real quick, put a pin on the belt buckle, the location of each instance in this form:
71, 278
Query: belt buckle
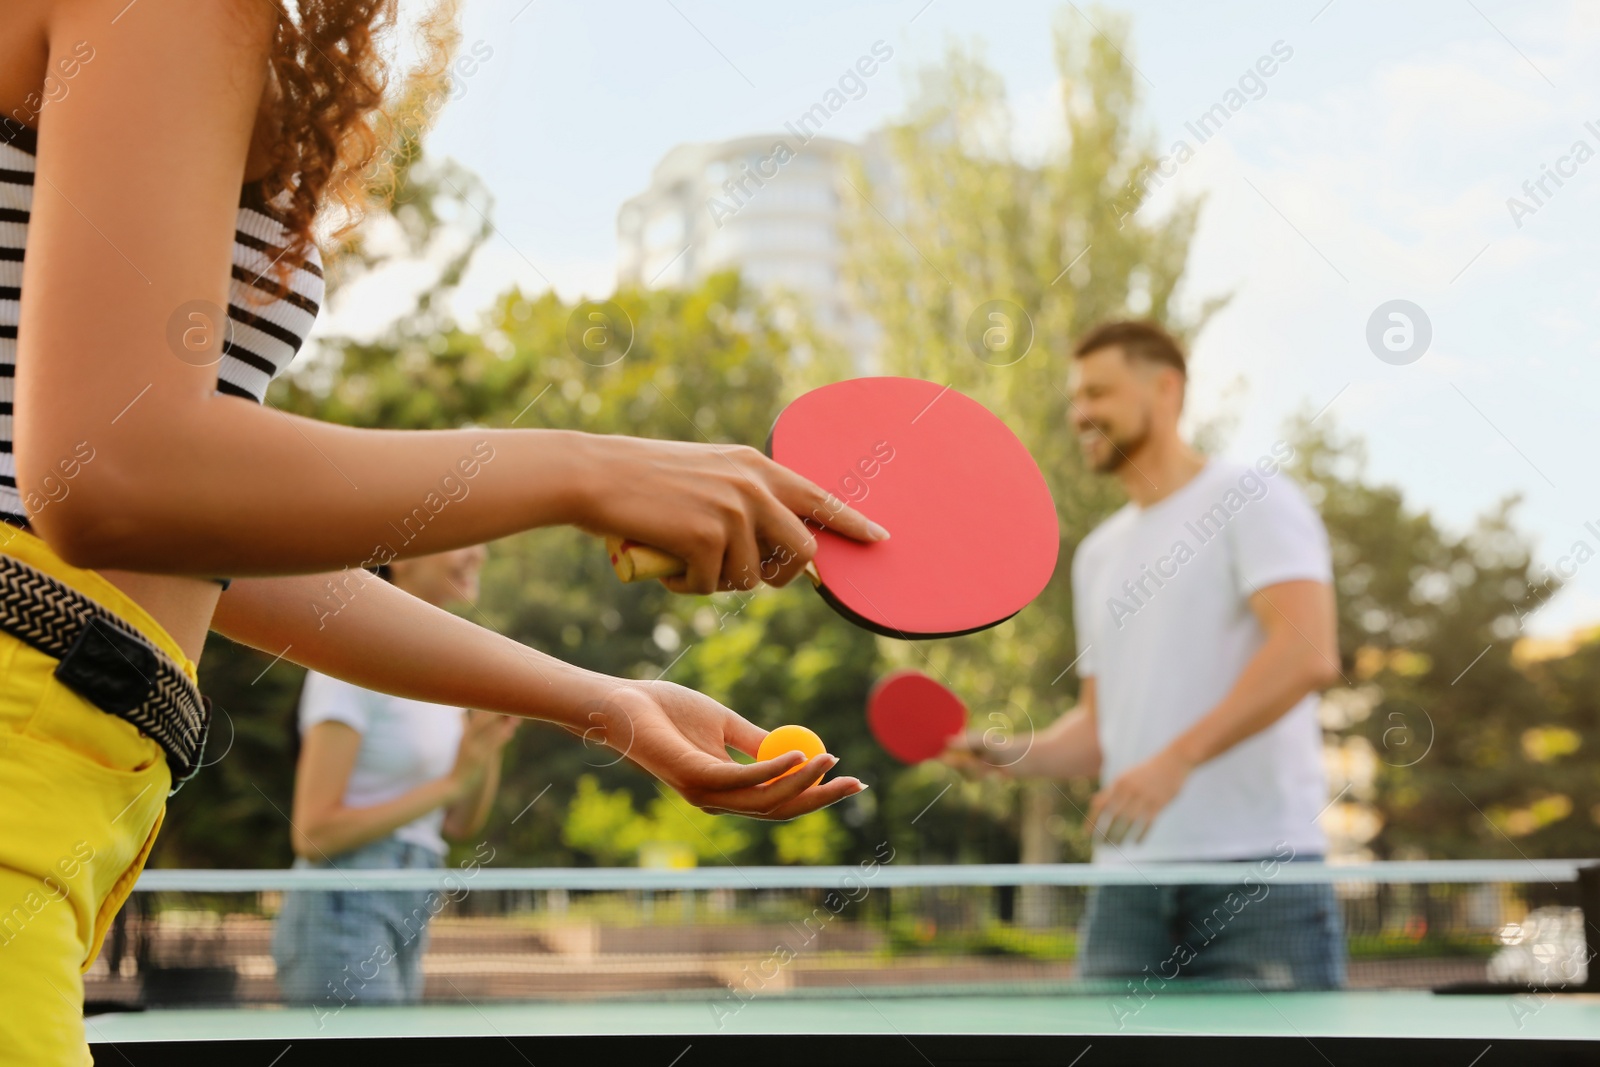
108, 667
115, 671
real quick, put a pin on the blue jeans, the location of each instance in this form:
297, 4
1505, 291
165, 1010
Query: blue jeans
1279, 936
336, 946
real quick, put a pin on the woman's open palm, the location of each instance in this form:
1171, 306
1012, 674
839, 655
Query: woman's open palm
682, 737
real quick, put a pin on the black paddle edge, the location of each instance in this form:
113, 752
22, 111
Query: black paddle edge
867, 1050
888, 631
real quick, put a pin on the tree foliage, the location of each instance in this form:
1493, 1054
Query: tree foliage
1474, 755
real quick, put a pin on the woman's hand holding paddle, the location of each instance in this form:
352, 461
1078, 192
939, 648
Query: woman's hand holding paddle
733, 515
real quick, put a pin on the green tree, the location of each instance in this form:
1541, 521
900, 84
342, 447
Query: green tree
945, 221
604, 825
1474, 758
813, 839
1560, 806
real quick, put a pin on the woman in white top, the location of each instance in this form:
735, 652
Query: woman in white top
381, 782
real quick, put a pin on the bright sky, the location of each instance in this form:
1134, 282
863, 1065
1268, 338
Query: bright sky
1375, 166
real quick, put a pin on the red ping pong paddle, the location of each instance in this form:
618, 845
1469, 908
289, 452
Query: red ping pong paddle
913, 717
973, 525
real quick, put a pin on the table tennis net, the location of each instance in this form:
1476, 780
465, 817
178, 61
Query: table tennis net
732, 934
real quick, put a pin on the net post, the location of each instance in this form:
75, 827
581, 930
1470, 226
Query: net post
1589, 902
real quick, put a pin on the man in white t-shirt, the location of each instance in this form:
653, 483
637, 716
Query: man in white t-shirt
1205, 624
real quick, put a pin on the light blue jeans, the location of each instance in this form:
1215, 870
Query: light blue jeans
1276, 935
335, 946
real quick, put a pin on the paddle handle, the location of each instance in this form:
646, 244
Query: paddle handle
634, 562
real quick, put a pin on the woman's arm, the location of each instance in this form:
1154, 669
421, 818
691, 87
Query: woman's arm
355, 626
468, 814
135, 200
322, 826
379, 637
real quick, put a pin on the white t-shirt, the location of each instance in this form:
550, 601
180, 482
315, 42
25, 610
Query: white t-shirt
1161, 602
404, 744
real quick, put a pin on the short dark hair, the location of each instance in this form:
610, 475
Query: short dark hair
1140, 340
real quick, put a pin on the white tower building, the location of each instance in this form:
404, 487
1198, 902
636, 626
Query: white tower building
766, 205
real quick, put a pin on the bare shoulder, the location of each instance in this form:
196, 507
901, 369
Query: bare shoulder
24, 56
245, 23
45, 43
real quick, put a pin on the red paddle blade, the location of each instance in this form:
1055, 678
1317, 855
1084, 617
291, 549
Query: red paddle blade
973, 533
913, 717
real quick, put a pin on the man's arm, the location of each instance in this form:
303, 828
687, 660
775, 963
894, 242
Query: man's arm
1300, 655
1067, 748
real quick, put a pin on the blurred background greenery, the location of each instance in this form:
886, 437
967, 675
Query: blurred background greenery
1449, 736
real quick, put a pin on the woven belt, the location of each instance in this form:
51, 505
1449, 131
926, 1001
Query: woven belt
107, 662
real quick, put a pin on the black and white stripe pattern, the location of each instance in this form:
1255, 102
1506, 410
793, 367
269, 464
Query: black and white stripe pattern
267, 326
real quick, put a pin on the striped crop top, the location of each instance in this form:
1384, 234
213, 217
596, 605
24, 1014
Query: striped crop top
265, 330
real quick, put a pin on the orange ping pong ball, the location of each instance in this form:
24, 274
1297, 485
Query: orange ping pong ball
791, 739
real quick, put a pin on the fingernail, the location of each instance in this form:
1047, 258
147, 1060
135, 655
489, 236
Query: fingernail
878, 532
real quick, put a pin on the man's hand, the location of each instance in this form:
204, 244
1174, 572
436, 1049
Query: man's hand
1010, 748
970, 753
1130, 804
994, 752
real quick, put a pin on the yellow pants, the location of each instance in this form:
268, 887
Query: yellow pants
82, 795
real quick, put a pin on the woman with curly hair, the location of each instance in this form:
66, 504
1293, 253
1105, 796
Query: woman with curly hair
162, 163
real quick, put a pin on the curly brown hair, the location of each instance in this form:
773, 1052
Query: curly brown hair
329, 118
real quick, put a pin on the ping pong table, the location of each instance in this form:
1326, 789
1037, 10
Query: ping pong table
913, 965
1369, 1029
